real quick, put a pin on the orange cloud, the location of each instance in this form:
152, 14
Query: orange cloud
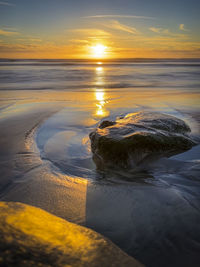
162, 31
92, 32
157, 30
182, 27
8, 33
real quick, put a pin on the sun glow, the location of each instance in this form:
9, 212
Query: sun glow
98, 51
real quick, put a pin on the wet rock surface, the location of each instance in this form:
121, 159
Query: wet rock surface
30, 236
130, 140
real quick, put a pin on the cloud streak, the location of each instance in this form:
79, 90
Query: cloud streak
116, 25
8, 33
117, 16
167, 32
156, 30
182, 27
6, 4
91, 32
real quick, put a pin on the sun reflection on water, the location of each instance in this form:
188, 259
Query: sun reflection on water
100, 97
99, 69
99, 93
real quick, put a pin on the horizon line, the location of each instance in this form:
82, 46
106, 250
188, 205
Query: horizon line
106, 59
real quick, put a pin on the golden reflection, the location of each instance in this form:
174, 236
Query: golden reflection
100, 97
99, 69
99, 93
99, 76
100, 111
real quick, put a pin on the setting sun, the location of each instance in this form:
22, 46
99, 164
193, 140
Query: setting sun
99, 125
98, 51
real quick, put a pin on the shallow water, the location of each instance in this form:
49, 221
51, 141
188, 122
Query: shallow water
152, 212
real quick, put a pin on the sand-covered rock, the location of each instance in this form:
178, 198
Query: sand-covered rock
130, 140
30, 236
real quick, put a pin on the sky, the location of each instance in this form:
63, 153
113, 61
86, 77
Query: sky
77, 28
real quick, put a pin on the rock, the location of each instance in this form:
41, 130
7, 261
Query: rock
30, 236
105, 124
130, 140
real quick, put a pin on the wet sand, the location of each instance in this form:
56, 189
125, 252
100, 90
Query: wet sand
151, 221
25, 177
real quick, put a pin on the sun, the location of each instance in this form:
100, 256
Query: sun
98, 51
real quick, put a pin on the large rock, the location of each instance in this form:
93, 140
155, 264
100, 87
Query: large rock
30, 236
130, 140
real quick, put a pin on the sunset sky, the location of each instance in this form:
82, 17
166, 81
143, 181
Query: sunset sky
99, 29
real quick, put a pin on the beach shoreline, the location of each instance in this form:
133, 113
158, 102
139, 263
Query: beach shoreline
45, 161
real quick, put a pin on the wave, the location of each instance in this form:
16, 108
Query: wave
109, 63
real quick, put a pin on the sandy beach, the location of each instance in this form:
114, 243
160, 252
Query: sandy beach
45, 161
